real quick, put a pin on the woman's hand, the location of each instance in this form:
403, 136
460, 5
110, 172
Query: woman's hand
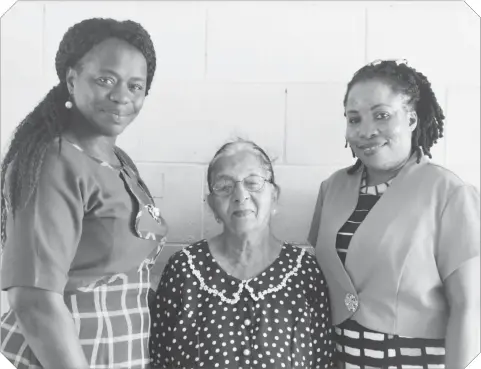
48, 327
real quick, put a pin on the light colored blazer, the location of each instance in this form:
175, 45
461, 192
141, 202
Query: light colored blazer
423, 228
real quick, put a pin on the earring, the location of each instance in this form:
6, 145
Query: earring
217, 220
68, 104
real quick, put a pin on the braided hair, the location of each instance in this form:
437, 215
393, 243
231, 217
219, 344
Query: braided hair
48, 119
416, 87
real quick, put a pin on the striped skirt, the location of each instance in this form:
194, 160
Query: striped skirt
361, 348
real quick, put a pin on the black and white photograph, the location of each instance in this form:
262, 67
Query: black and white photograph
240, 185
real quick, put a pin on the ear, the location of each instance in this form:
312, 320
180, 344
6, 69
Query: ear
70, 79
275, 194
210, 202
413, 120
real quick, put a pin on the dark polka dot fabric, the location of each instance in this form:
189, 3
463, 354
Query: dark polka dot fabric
203, 317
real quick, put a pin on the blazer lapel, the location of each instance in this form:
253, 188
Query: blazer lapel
366, 243
343, 199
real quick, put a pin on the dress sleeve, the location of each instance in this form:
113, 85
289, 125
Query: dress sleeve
322, 331
316, 218
166, 305
459, 230
43, 236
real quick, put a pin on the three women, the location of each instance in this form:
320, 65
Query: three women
397, 236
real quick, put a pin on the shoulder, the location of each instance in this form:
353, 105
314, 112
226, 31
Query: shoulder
304, 259
62, 158
338, 176
184, 259
441, 180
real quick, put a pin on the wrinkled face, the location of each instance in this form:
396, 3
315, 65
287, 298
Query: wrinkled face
108, 87
379, 125
242, 212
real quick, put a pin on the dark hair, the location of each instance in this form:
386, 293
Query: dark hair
263, 157
47, 121
407, 81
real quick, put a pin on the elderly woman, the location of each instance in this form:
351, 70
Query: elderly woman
242, 299
80, 228
397, 236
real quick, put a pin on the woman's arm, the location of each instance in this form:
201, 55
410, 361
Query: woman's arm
463, 331
48, 327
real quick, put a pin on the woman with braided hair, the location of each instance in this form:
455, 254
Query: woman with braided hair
80, 230
397, 236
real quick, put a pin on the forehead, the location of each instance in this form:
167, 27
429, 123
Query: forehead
115, 54
365, 94
238, 164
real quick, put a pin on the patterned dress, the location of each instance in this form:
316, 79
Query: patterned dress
360, 347
119, 234
205, 318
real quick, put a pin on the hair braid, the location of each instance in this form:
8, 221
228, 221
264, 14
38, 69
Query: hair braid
414, 85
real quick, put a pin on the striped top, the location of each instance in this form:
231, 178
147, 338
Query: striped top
360, 347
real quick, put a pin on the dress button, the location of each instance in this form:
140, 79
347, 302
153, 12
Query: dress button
246, 352
247, 322
351, 302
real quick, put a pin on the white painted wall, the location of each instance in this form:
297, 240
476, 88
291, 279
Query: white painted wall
273, 72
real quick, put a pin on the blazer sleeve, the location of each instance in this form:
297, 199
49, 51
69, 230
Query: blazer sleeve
316, 218
459, 230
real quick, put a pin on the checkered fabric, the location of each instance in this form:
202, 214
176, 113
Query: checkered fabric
112, 320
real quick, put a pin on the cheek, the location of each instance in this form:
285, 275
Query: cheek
138, 103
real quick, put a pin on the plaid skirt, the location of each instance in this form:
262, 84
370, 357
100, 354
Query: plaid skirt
112, 320
361, 348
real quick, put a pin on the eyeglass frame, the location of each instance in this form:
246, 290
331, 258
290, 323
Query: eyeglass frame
242, 181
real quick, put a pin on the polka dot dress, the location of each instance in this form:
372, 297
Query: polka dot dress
203, 317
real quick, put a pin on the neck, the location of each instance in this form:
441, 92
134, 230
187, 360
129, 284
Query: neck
94, 144
244, 256
246, 247
376, 177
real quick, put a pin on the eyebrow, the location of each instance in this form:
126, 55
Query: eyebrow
117, 75
372, 108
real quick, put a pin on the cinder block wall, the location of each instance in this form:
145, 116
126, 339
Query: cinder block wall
273, 72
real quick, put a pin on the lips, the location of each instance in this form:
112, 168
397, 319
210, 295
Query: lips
242, 213
116, 113
370, 149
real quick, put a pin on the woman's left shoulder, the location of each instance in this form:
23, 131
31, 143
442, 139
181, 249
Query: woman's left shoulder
442, 176
304, 254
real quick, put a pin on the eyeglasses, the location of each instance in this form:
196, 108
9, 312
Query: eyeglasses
225, 186
397, 61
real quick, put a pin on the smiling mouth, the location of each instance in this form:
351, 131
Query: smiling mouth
368, 150
116, 114
242, 213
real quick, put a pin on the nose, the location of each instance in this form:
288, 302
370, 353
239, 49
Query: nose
240, 193
368, 129
120, 94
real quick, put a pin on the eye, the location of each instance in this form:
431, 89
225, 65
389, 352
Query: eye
383, 115
106, 81
223, 185
353, 120
136, 87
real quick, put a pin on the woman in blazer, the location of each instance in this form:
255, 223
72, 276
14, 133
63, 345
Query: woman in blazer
397, 236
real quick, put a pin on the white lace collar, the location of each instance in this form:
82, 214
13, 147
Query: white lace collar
253, 285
